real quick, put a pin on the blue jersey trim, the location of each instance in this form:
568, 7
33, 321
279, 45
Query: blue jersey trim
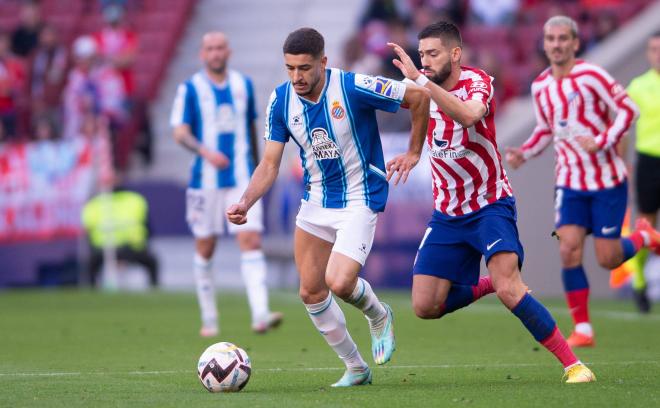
363, 161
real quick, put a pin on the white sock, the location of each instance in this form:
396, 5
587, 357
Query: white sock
584, 328
572, 365
253, 269
364, 298
329, 319
205, 291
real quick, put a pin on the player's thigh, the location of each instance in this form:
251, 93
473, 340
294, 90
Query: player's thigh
428, 292
497, 233
255, 215
201, 212
445, 254
572, 207
608, 210
311, 254
355, 234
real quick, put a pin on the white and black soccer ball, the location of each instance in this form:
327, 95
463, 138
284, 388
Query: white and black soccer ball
224, 367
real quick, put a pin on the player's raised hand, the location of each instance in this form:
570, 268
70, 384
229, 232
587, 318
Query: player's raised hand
217, 159
404, 63
237, 214
401, 164
588, 143
514, 156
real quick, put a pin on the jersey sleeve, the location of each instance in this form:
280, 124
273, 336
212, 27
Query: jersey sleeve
542, 134
377, 92
182, 109
276, 129
617, 100
481, 90
251, 104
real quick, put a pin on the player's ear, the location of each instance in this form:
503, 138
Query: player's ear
456, 53
324, 61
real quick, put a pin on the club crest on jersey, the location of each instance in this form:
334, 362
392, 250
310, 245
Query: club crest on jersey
337, 111
322, 146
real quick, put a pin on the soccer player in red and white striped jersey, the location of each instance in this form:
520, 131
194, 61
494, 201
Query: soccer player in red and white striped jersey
475, 212
587, 113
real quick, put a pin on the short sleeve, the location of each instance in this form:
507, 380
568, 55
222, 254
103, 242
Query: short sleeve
480, 89
377, 92
276, 129
182, 109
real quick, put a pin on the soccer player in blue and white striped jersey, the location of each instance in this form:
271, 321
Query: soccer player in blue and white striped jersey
213, 116
330, 115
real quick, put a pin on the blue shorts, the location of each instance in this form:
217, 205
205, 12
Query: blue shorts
452, 247
600, 212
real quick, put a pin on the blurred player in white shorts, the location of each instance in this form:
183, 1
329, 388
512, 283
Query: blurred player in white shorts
213, 116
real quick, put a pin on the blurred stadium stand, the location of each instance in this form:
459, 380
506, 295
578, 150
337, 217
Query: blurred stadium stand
170, 32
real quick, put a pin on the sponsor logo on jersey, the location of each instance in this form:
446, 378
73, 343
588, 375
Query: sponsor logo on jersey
380, 86
322, 146
337, 111
441, 150
296, 120
478, 86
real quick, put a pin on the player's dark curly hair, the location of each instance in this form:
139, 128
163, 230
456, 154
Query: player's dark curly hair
444, 30
304, 41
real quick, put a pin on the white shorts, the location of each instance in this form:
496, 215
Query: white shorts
206, 212
350, 229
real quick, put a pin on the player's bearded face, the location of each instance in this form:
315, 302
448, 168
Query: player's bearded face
305, 73
436, 59
559, 44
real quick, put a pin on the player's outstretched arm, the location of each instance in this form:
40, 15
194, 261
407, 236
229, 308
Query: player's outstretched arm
417, 99
263, 178
466, 113
185, 138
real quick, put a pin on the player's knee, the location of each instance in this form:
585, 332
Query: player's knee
570, 253
311, 297
340, 285
427, 310
608, 260
508, 292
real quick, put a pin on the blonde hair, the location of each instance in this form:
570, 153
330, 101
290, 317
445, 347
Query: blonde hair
562, 21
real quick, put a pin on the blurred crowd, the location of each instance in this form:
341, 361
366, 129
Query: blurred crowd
502, 37
52, 87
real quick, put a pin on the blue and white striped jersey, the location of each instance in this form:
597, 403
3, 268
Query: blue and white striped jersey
219, 117
340, 146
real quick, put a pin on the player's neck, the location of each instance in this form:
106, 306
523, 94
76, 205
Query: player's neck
315, 95
452, 79
217, 78
561, 71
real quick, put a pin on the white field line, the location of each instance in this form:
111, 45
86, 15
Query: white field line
308, 369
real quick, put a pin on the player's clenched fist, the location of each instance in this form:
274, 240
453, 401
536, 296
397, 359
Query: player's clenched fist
237, 214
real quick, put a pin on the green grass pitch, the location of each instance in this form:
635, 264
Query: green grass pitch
83, 349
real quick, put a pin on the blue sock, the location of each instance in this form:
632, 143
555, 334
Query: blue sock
574, 278
535, 317
629, 249
458, 297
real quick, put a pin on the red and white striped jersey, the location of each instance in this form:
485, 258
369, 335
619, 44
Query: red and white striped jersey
466, 166
587, 102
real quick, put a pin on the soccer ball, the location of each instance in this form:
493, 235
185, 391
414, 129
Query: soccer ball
224, 367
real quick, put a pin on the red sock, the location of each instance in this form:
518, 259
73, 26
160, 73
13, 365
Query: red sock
578, 304
637, 239
483, 288
556, 344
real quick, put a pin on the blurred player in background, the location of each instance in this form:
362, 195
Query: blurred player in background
330, 115
645, 91
213, 116
475, 212
587, 113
